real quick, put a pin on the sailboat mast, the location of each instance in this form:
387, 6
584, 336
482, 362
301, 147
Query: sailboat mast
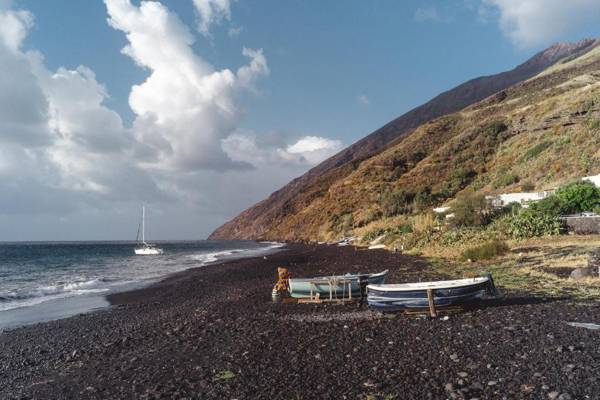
143, 227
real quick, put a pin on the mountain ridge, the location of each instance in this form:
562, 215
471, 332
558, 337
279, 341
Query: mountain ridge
256, 221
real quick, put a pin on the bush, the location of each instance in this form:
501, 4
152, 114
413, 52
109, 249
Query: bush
485, 251
496, 127
405, 228
470, 209
395, 203
530, 223
505, 180
536, 150
527, 186
374, 234
549, 206
578, 196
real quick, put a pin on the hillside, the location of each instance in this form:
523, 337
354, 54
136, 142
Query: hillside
538, 126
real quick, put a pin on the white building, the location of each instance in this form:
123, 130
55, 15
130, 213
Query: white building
523, 198
595, 179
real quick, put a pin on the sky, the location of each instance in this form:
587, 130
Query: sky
200, 108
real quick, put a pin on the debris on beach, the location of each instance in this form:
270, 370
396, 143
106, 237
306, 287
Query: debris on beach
586, 325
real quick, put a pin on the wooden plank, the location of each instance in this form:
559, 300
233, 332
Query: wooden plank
438, 310
432, 312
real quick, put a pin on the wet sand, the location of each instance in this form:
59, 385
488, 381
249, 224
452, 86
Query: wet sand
213, 333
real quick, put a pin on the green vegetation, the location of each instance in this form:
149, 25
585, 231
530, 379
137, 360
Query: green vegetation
578, 197
470, 209
225, 375
594, 124
531, 223
391, 231
505, 180
485, 251
536, 150
527, 186
542, 217
396, 203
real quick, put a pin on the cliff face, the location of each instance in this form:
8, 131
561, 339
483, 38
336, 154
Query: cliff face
283, 215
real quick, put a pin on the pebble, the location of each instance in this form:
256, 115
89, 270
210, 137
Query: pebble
276, 349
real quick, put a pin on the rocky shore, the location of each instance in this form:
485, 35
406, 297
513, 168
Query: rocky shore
213, 333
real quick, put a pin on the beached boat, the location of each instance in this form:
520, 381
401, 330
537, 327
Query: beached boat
336, 285
395, 297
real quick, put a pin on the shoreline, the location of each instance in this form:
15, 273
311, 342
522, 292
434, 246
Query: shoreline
213, 332
66, 307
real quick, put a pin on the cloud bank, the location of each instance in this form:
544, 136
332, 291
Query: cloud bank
64, 152
539, 22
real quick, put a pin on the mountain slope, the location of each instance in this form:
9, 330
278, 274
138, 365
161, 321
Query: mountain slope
277, 217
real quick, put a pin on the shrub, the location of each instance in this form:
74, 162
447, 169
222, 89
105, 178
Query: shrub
395, 203
459, 178
536, 150
347, 223
470, 209
527, 186
505, 180
496, 127
578, 196
530, 223
549, 206
374, 234
405, 228
485, 251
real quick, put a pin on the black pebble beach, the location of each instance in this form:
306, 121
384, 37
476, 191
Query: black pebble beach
214, 333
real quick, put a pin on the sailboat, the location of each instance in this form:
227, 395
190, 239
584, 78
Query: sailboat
145, 249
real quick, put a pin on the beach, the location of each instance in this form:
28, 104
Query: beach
214, 333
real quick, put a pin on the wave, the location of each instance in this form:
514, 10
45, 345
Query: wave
21, 298
207, 258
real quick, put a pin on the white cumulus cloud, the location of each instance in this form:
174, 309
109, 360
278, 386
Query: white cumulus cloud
67, 158
211, 12
540, 22
185, 107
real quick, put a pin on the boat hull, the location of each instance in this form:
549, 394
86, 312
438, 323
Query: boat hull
148, 251
393, 299
301, 288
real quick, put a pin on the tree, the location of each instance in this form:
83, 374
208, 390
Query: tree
578, 196
470, 209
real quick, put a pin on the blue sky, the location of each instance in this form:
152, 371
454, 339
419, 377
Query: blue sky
320, 75
322, 56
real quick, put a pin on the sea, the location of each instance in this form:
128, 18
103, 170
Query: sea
41, 281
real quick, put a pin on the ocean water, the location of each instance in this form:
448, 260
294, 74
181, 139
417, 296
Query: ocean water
47, 280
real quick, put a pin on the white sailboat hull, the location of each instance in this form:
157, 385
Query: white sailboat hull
148, 251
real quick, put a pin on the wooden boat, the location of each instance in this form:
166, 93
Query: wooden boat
396, 297
336, 285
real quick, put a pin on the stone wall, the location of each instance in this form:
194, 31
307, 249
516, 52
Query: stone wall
583, 225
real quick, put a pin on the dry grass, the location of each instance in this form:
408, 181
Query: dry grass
536, 266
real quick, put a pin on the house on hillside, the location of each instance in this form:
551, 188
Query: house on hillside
523, 198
